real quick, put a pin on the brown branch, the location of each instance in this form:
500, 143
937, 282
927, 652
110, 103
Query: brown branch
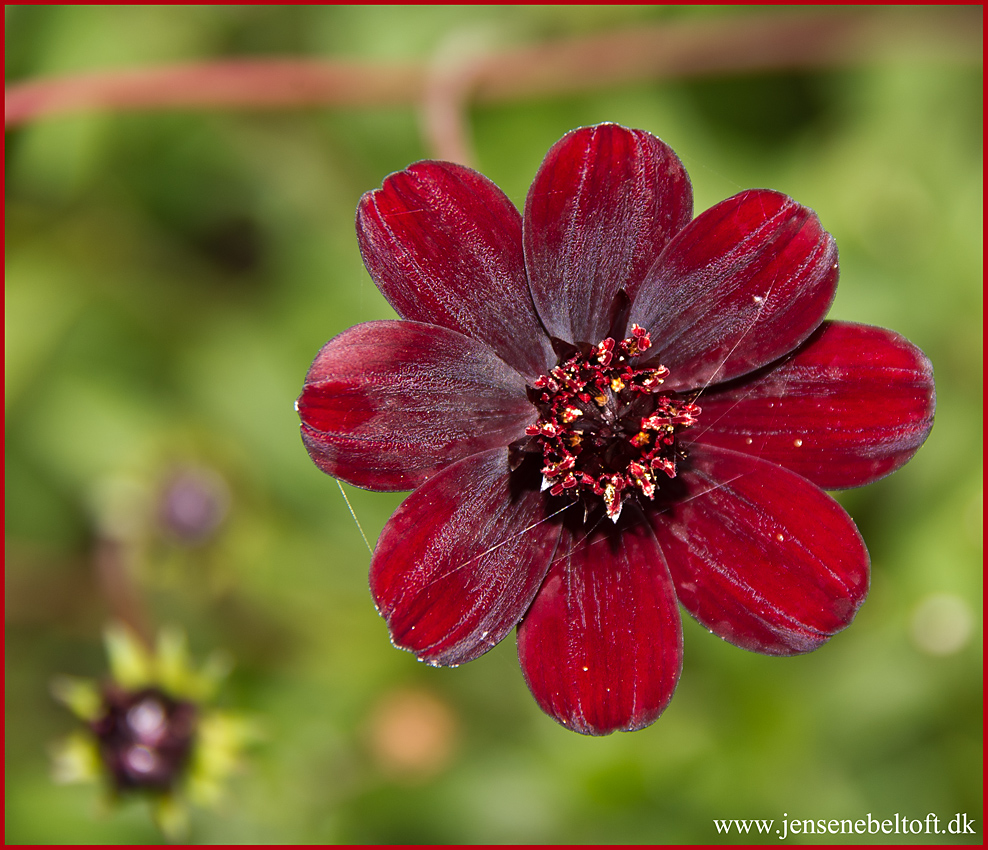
255, 83
732, 45
729, 44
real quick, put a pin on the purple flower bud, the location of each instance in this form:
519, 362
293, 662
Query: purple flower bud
145, 737
193, 504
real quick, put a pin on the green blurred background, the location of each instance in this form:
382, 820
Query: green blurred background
171, 275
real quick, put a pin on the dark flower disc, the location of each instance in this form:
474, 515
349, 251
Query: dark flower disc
145, 737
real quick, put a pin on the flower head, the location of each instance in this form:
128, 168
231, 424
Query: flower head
149, 729
604, 407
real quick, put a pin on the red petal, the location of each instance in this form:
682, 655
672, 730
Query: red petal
760, 556
745, 283
443, 244
853, 404
603, 205
388, 404
602, 646
460, 561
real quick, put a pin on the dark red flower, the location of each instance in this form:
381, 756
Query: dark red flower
604, 407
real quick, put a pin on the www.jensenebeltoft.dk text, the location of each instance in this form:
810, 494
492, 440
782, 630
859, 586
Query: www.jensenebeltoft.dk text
959, 824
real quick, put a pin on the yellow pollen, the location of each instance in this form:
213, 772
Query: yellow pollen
589, 407
571, 413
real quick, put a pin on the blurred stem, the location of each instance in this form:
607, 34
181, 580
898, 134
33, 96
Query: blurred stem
449, 84
726, 44
115, 571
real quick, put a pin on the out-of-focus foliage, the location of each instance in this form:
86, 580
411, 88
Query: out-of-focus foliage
169, 278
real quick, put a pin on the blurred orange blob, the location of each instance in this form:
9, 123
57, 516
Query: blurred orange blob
412, 735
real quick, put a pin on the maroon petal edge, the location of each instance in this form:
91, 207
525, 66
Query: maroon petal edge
460, 560
388, 404
601, 647
761, 557
444, 246
744, 284
853, 404
603, 205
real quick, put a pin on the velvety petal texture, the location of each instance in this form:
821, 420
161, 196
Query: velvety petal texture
601, 646
742, 285
460, 561
444, 246
851, 405
386, 405
603, 205
581, 478
761, 557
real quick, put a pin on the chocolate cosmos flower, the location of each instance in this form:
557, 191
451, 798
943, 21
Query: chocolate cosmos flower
604, 407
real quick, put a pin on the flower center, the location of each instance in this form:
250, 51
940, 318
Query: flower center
145, 738
605, 427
